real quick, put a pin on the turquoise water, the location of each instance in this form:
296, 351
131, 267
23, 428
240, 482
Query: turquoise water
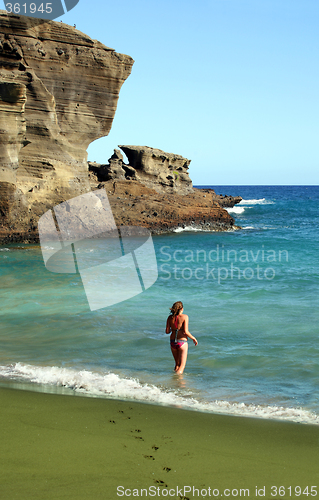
251, 296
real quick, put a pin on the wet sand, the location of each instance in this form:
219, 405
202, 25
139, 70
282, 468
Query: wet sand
70, 447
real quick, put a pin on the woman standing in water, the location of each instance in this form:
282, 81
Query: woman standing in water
177, 323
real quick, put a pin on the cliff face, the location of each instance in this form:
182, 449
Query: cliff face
58, 93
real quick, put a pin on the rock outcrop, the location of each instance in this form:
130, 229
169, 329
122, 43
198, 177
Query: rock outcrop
155, 191
225, 200
165, 172
135, 204
113, 170
58, 93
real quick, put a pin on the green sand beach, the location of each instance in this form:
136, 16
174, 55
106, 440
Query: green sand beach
70, 447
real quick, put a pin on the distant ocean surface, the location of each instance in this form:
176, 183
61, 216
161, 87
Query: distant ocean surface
251, 296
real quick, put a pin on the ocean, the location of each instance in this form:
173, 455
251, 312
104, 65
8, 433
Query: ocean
252, 300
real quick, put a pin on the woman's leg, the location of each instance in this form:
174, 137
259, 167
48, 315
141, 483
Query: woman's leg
183, 350
176, 356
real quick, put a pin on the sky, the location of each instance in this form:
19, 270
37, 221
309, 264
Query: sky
232, 85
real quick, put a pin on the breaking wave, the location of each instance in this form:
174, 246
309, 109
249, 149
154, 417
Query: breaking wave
111, 385
236, 210
260, 201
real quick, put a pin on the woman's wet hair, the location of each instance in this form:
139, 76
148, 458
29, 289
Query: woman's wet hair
176, 307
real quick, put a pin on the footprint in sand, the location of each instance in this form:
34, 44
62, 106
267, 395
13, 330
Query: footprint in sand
159, 481
138, 437
149, 457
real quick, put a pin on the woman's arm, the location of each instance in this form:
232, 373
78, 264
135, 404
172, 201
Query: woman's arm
168, 326
186, 331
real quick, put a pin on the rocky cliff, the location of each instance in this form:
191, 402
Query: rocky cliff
58, 93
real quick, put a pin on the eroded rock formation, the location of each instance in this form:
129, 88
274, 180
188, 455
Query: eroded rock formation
133, 202
164, 172
155, 191
58, 93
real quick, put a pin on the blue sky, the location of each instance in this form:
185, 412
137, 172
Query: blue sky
230, 84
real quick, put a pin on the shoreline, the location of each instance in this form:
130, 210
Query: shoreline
260, 411
202, 226
59, 446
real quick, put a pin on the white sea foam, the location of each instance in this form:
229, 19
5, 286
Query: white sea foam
241, 206
236, 210
191, 228
4, 250
260, 201
111, 385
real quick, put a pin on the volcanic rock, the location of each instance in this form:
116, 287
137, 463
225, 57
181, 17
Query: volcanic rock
135, 204
146, 199
58, 93
225, 200
164, 172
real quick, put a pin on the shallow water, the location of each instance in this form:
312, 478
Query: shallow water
252, 299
